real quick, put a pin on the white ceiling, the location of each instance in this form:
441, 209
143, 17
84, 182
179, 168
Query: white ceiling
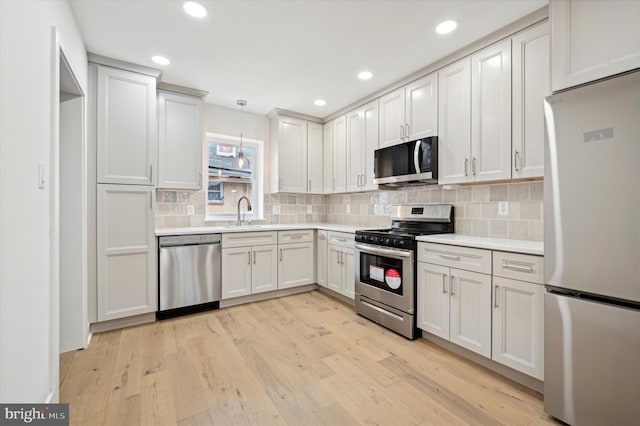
287, 53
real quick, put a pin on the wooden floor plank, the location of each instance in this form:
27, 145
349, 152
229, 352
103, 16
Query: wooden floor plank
301, 359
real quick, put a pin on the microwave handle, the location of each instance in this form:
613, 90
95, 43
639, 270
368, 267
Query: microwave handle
416, 154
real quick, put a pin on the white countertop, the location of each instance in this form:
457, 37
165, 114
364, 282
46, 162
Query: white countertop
254, 228
502, 244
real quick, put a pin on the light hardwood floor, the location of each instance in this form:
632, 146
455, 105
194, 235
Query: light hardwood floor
303, 359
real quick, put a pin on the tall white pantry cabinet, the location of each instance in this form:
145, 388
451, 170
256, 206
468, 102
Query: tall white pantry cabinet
124, 118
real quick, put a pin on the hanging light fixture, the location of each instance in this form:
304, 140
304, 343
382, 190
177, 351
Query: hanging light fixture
243, 162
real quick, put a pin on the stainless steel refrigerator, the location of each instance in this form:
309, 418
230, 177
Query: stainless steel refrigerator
592, 253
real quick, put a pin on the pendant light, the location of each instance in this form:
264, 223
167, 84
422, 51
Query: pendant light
243, 162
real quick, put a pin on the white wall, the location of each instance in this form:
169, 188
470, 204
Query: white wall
27, 371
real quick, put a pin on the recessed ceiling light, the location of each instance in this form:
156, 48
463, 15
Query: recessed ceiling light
160, 60
194, 9
320, 102
365, 75
446, 27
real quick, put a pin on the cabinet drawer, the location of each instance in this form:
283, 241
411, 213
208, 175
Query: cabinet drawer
471, 259
343, 239
522, 267
244, 239
295, 236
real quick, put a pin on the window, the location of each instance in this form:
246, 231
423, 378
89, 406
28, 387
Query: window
232, 175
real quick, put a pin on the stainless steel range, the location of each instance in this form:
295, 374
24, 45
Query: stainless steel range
385, 265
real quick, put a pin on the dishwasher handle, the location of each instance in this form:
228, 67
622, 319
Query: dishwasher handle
189, 240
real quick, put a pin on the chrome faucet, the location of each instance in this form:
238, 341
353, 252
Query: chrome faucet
238, 221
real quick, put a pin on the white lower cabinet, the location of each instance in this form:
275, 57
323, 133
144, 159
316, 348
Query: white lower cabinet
295, 258
518, 325
249, 263
499, 316
340, 264
126, 251
322, 251
248, 270
456, 305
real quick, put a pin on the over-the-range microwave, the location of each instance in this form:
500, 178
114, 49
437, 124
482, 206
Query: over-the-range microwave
408, 163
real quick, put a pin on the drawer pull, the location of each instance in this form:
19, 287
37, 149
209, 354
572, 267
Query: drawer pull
342, 240
518, 268
448, 256
295, 237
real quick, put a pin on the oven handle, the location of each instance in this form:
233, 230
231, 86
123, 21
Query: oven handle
383, 252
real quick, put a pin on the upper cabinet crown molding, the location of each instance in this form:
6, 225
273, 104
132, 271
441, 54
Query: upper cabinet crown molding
174, 88
123, 65
593, 40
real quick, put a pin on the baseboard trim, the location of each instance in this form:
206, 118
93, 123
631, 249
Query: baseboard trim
267, 295
509, 373
99, 327
335, 295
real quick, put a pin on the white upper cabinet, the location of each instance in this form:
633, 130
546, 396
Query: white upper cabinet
454, 122
126, 123
593, 40
421, 106
392, 118
410, 112
180, 141
531, 83
362, 141
340, 154
474, 143
491, 113
314, 158
292, 155
327, 158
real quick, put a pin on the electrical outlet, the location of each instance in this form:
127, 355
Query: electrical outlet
276, 209
309, 210
503, 208
191, 210
348, 208
375, 209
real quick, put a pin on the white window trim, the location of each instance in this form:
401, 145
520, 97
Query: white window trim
258, 168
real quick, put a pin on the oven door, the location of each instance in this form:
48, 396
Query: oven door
386, 275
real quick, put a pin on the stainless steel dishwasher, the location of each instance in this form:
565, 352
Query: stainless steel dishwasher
190, 277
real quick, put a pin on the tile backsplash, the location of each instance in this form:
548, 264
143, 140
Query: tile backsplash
476, 208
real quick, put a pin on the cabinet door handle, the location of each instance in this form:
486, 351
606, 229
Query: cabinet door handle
516, 160
473, 166
449, 256
280, 255
444, 285
151, 172
401, 132
495, 296
254, 257
322, 237
309, 187
408, 132
249, 257
451, 287
519, 268
466, 167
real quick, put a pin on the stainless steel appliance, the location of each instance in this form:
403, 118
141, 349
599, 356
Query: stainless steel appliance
385, 265
414, 162
592, 253
190, 277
